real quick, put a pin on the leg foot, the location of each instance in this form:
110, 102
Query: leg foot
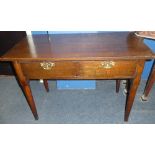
143, 98
36, 117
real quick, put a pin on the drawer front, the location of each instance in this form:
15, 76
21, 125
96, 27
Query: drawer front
107, 69
79, 69
49, 70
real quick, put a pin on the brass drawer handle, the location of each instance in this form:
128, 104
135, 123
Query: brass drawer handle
107, 64
47, 65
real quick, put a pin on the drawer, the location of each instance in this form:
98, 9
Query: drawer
106, 69
79, 69
49, 70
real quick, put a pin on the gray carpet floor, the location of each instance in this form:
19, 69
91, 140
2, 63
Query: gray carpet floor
100, 106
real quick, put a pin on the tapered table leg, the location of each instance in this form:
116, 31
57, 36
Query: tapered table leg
26, 89
118, 82
46, 85
127, 86
149, 83
133, 89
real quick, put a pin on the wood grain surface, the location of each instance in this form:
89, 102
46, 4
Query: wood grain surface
98, 46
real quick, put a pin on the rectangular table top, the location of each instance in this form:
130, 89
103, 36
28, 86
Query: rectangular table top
91, 46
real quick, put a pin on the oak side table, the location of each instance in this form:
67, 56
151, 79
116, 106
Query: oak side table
112, 55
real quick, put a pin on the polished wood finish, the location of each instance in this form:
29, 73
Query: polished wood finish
113, 55
61, 69
80, 70
96, 69
24, 82
133, 88
99, 46
149, 84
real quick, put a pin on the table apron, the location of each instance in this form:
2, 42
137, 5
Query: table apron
79, 69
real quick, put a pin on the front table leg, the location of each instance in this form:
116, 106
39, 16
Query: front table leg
26, 89
132, 91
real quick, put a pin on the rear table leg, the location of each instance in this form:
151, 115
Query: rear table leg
149, 84
46, 85
118, 82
